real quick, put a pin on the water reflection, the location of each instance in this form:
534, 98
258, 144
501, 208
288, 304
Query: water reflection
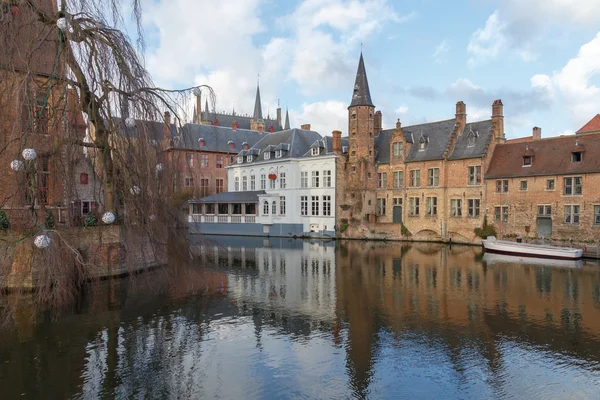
291, 318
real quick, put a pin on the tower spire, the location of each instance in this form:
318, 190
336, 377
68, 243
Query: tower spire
287, 119
361, 96
257, 105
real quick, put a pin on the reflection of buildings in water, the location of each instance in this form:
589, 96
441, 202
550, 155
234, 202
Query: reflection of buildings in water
299, 277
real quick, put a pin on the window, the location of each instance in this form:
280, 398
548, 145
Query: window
267, 155
415, 178
204, 160
282, 205
523, 185
327, 178
274, 207
249, 158
596, 215
314, 205
431, 206
398, 179
189, 160
252, 182
244, 183
371, 134
433, 177
232, 159
219, 161
315, 179
282, 183
353, 114
475, 175
380, 207
544, 210
456, 208
397, 201
304, 179
278, 153
502, 186
250, 209
327, 206
304, 205
266, 207
204, 187
550, 184
219, 185
240, 159
35, 119
189, 182
237, 184
86, 207
501, 212
413, 206
236, 209
572, 214
382, 179
315, 151
573, 186
271, 183
263, 181
83, 178
473, 205
209, 208
576, 156
527, 161
353, 154
397, 148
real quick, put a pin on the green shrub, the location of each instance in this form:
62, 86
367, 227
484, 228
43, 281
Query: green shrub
50, 223
343, 227
404, 230
4, 222
90, 219
486, 230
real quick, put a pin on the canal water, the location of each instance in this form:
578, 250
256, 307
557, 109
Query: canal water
282, 318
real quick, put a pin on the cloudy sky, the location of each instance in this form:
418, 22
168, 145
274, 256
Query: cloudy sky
541, 57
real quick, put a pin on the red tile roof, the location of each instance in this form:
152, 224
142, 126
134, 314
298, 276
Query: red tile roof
552, 156
592, 126
520, 139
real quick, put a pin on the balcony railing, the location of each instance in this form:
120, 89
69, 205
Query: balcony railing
224, 219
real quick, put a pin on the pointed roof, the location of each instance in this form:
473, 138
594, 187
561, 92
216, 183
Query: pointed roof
592, 126
361, 96
257, 105
206, 112
287, 120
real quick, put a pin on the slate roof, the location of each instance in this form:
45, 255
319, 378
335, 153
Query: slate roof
480, 132
552, 156
152, 129
326, 146
437, 136
592, 126
361, 95
231, 197
382, 145
216, 138
298, 139
227, 120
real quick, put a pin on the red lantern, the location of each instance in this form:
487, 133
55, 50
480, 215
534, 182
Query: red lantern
272, 177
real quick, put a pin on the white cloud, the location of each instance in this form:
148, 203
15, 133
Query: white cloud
439, 55
401, 110
324, 116
487, 42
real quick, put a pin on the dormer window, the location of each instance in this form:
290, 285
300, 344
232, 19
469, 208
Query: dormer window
201, 141
344, 149
230, 144
576, 156
278, 153
315, 151
249, 158
527, 160
245, 146
423, 142
472, 137
240, 159
267, 155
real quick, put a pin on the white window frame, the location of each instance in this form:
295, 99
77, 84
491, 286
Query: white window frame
314, 206
571, 215
304, 179
456, 208
431, 206
413, 206
433, 177
278, 153
315, 179
282, 205
282, 181
304, 206
326, 205
315, 151
240, 159
327, 178
249, 158
398, 179
263, 181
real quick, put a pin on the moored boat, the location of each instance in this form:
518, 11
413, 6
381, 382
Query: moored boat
500, 259
494, 245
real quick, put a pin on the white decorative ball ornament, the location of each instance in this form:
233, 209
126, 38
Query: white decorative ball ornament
135, 190
160, 167
61, 23
197, 92
29, 154
42, 241
154, 142
17, 165
130, 122
108, 218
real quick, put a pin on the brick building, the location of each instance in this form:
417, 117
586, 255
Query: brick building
427, 177
547, 187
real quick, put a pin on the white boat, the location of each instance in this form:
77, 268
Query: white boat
493, 245
500, 259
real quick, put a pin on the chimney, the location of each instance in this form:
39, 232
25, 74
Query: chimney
336, 143
461, 116
377, 122
498, 120
167, 126
305, 127
198, 110
537, 133
279, 117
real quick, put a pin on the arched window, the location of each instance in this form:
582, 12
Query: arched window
274, 208
266, 208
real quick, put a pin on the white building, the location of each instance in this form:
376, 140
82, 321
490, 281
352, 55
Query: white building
289, 176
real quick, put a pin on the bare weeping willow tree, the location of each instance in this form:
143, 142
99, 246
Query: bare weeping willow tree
75, 90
